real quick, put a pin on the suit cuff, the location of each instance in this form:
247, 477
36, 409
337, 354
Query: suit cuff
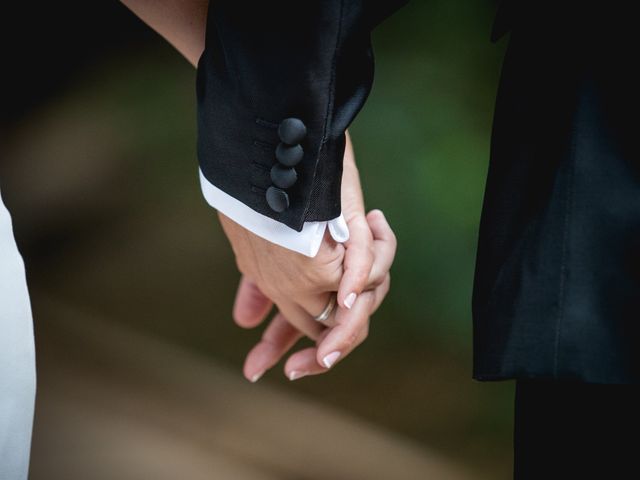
307, 241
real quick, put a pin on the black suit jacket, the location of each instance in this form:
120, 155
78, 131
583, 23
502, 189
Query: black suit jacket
557, 284
266, 61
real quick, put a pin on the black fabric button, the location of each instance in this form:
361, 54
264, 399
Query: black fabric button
289, 155
283, 177
277, 199
292, 131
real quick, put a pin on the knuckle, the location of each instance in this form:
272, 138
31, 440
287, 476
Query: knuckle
335, 263
312, 277
382, 292
370, 256
329, 253
393, 239
326, 277
350, 341
361, 276
313, 273
375, 282
371, 300
365, 333
371, 248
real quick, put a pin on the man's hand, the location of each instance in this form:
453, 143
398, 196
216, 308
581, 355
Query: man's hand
300, 286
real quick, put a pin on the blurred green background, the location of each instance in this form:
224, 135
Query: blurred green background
101, 177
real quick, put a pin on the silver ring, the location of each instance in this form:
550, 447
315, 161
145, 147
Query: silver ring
331, 305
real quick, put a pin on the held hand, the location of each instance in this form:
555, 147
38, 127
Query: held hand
301, 286
350, 328
297, 284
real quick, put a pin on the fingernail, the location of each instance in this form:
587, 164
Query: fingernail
331, 359
350, 300
294, 375
256, 377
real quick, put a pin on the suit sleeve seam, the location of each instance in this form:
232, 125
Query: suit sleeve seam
330, 102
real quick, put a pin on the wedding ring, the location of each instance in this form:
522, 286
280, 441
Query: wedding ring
331, 305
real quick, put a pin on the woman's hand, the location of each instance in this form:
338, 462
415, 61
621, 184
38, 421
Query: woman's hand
300, 286
350, 328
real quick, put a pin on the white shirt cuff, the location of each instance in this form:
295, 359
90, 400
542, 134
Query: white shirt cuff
306, 242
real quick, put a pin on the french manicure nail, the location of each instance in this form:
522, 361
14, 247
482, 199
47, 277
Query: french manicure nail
331, 359
350, 300
256, 377
294, 375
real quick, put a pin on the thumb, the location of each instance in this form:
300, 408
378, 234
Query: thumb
251, 306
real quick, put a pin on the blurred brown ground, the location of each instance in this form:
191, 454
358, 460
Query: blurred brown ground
114, 404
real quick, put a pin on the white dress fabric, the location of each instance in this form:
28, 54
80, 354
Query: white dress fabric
17, 358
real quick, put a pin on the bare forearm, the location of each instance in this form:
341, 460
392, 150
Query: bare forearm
181, 22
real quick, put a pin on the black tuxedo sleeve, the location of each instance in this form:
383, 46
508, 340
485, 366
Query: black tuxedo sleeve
277, 85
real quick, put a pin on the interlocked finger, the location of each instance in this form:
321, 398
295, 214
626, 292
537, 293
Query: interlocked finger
300, 319
322, 308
